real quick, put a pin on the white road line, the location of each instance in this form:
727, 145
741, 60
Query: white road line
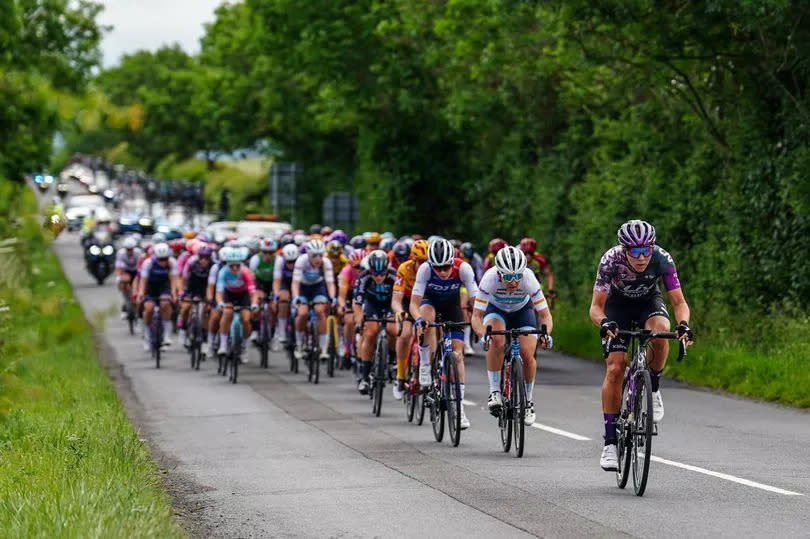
560, 432
725, 476
465, 402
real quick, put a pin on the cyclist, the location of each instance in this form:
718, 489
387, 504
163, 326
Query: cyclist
262, 264
401, 304
538, 263
282, 284
469, 255
626, 291
195, 281
235, 287
495, 245
373, 242
509, 297
358, 242
399, 254
386, 244
436, 291
334, 250
126, 267
374, 290
346, 282
313, 281
159, 282
215, 315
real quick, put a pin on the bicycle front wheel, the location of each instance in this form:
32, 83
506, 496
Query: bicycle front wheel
410, 393
434, 396
331, 346
518, 398
642, 432
157, 338
505, 415
624, 440
452, 399
236, 349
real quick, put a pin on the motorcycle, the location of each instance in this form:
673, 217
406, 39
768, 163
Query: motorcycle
99, 257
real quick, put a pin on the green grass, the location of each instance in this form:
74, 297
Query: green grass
771, 365
71, 465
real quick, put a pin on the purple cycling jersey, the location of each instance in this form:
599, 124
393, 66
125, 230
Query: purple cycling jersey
616, 277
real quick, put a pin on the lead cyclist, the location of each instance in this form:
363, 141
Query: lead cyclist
626, 291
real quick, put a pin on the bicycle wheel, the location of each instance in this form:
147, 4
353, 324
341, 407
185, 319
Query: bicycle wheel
504, 417
264, 339
410, 393
518, 398
378, 373
236, 350
420, 406
452, 399
434, 401
624, 442
642, 432
157, 338
131, 317
331, 345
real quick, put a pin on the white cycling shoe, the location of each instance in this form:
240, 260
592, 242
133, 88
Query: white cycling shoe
468, 350
658, 406
495, 403
465, 423
424, 374
530, 416
398, 393
299, 352
609, 461
223, 347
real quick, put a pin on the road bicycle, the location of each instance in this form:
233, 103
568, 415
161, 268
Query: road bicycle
634, 426
195, 334
311, 346
380, 368
332, 341
131, 311
512, 413
413, 398
290, 332
443, 395
156, 330
234, 346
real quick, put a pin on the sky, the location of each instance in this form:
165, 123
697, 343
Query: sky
148, 24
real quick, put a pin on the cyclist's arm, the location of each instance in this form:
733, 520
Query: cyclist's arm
329, 277
679, 305
544, 317
477, 321
295, 286
549, 277
250, 281
396, 301
597, 311
419, 285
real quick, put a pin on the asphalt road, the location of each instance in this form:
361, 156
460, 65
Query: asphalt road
276, 456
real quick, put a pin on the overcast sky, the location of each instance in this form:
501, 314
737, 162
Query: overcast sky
148, 24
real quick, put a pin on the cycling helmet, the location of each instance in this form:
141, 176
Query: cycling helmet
358, 242
189, 234
433, 238
440, 253
334, 248
636, 233
510, 260
202, 236
387, 235
129, 243
455, 243
176, 246
401, 251
204, 251
286, 239
528, 245
356, 257
299, 239
339, 235
162, 250
325, 231
234, 255
268, 246
467, 249
496, 244
419, 250
374, 237
315, 247
315, 229
378, 262
407, 240
387, 244
158, 237
290, 252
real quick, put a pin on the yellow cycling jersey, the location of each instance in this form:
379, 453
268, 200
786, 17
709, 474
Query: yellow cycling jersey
338, 263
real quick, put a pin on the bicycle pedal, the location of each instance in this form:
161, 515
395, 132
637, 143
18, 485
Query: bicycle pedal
655, 429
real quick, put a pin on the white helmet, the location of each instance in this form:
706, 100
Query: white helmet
158, 237
129, 243
290, 252
510, 260
441, 253
162, 250
299, 239
636, 233
315, 247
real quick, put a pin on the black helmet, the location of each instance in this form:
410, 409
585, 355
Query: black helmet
315, 229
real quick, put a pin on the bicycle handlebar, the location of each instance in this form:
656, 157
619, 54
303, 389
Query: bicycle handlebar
511, 332
647, 334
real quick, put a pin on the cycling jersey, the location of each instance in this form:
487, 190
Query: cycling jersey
338, 263
308, 274
616, 277
406, 277
492, 291
283, 272
212, 275
182, 260
127, 262
262, 269
378, 293
196, 275
476, 264
430, 286
158, 278
537, 263
241, 281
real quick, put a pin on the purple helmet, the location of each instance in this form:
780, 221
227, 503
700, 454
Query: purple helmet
636, 233
205, 250
339, 235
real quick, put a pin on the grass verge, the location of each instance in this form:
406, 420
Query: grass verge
770, 366
71, 465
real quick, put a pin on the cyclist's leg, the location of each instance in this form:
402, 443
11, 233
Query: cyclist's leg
495, 318
254, 317
148, 309
166, 316
623, 314
404, 349
428, 313
302, 313
525, 318
656, 318
283, 314
366, 352
320, 313
348, 331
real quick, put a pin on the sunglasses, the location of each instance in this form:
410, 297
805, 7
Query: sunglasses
509, 277
636, 252
315, 257
234, 266
443, 268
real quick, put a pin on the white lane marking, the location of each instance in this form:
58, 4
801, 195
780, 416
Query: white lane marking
465, 402
560, 432
727, 477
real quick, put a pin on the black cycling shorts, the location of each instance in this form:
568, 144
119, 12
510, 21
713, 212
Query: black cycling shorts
265, 286
625, 311
241, 299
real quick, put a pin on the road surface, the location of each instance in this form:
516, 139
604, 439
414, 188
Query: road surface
275, 456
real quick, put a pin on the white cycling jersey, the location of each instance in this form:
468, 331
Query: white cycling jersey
492, 290
306, 273
127, 262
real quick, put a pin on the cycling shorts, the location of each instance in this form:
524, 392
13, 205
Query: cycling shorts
315, 293
523, 318
626, 311
265, 286
375, 310
155, 291
242, 299
448, 311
